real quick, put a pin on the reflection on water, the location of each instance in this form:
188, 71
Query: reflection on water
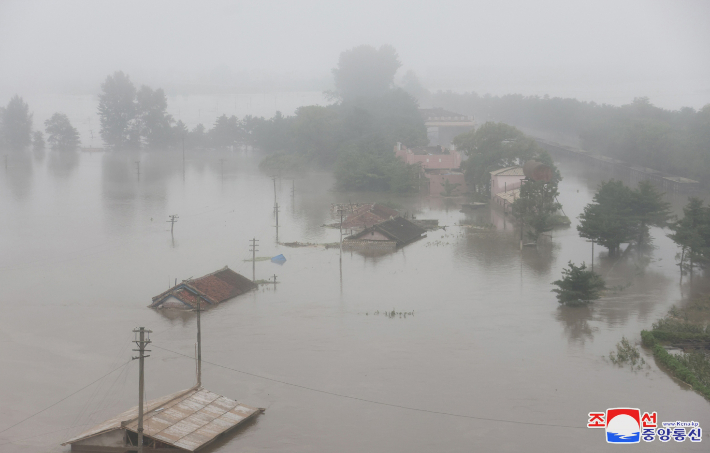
63, 163
86, 244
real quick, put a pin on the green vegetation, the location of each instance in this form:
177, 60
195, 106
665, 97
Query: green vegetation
449, 188
61, 135
578, 286
673, 141
692, 234
536, 207
626, 353
15, 125
687, 328
620, 215
494, 146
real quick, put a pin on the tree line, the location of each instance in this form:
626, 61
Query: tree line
674, 141
16, 131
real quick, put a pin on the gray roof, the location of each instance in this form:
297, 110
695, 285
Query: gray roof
398, 229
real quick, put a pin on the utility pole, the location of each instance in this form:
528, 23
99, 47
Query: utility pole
274, 179
138, 169
221, 163
293, 195
592, 241
199, 344
173, 219
341, 211
183, 156
253, 259
141, 341
276, 210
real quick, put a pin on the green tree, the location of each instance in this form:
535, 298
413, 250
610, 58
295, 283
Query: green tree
118, 112
536, 205
37, 141
494, 146
16, 122
649, 209
154, 123
364, 71
449, 188
578, 286
609, 219
61, 135
692, 234
226, 132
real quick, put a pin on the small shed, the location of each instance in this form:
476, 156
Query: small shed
395, 232
185, 421
506, 179
211, 289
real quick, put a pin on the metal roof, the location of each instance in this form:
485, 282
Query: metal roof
508, 171
189, 419
398, 229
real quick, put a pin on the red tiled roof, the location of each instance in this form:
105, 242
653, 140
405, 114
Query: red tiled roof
214, 288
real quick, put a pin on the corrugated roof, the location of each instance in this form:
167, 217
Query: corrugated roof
509, 171
215, 288
189, 419
367, 215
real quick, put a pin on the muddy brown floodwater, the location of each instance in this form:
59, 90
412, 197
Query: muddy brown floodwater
85, 245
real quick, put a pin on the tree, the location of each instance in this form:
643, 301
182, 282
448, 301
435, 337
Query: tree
494, 146
536, 205
449, 188
117, 112
609, 219
154, 123
37, 141
226, 132
578, 286
61, 135
692, 234
16, 124
412, 85
649, 209
364, 71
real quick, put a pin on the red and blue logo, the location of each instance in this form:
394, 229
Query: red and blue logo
623, 425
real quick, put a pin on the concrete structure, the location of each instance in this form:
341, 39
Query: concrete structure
443, 125
188, 420
211, 289
430, 157
505, 180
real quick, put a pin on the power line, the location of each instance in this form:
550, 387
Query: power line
65, 398
365, 400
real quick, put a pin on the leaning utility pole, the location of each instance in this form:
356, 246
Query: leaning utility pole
141, 342
173, 219
276, 210
341, 211
199, 344
253, 259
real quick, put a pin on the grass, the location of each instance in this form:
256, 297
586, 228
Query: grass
627, 354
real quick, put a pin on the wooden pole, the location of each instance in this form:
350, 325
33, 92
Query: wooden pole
141, 343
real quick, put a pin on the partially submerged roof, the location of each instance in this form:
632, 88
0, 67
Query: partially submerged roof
188, 420
210, 289
509, 196
508, 171
367, 215
400, 230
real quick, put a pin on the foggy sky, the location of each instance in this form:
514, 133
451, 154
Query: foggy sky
607, 51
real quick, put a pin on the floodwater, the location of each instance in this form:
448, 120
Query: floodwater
487, 357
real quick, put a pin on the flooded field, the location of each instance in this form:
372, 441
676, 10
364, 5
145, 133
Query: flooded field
484, 361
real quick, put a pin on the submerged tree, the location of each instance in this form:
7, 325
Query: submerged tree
61, 135
578, 286
154, 123
16, 124
649, 209
117, 112
536, 206
609, 219
692, 234
37, 141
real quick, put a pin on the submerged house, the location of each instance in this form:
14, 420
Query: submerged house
389, 234
366, 215
185, 421
211, 289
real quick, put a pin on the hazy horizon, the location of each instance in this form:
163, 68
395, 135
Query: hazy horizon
607, 52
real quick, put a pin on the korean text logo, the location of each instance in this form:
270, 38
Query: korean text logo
625, 425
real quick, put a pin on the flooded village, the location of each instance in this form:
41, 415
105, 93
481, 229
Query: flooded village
373, 267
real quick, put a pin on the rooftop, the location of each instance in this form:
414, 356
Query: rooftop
188, 420
213, 288
400, 230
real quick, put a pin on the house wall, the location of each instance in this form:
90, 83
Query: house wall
502, 183
374, 236
173, 302
436, 184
